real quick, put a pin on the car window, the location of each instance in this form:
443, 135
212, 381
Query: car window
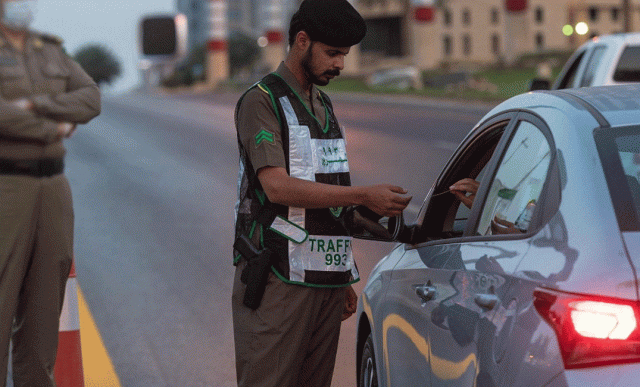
444, 216
592, 65
620, 155
567, 77
628, 69
517, 185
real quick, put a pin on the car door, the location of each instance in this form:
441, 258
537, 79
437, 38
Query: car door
473, 283
429, 328
511, 209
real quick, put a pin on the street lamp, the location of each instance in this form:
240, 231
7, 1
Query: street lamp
567, 30
582, 28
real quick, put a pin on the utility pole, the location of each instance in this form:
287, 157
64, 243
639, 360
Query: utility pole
217, 46
627, 14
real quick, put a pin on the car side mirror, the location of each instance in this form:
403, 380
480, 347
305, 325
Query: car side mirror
366, 224
539, 84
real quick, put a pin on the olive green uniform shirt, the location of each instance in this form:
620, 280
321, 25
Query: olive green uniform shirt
256, 114
59, 89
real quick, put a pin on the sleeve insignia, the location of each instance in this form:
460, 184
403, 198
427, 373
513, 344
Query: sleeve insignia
263, 136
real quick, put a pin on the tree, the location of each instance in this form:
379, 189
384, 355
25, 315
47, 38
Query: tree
243, 51
99, 62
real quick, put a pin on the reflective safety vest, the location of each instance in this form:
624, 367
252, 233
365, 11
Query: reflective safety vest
311, 246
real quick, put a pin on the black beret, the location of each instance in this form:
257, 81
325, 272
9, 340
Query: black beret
333, 22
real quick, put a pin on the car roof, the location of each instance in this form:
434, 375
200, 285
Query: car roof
618, 105
615, 105
620, 40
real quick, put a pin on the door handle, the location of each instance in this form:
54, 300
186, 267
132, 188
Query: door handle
425, 292
486, 301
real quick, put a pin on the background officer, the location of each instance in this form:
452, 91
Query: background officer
43, 95
293, 189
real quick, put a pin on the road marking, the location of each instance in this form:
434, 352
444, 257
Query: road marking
98, 368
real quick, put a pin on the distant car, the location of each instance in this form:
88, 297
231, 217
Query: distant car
603, 60
537, 283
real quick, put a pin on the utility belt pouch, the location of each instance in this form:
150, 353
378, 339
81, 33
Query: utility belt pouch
255, 274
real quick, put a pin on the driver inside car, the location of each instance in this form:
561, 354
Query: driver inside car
466, 189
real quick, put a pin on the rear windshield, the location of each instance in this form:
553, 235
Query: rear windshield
628, 69
620, 155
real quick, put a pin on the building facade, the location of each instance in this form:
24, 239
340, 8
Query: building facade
429, 33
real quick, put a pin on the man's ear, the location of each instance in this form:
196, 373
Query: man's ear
302, 40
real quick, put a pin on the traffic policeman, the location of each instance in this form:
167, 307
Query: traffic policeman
293, 251
44, 94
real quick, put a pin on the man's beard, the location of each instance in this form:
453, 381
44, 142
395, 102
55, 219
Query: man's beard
308, 69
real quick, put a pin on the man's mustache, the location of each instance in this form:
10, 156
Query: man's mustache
334, 73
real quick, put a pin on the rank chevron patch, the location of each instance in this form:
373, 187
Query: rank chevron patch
264, 135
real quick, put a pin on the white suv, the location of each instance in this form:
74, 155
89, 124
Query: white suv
603, 60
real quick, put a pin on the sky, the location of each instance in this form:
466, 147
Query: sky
112, 23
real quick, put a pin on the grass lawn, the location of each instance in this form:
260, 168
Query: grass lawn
506, 83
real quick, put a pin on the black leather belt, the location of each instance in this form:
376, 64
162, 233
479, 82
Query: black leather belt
34, 168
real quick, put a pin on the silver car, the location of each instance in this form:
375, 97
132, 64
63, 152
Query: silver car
537, 283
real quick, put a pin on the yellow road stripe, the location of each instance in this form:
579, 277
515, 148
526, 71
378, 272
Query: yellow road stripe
98, 368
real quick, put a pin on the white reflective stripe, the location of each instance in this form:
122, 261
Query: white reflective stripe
289, 113
300, 153
330, 156
240, 177
321, 253
70, 318
290, 230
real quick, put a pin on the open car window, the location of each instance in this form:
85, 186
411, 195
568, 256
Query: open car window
444, 216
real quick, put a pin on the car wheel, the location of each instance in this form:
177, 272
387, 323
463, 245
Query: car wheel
368, 372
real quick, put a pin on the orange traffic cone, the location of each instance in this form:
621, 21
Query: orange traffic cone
68, 369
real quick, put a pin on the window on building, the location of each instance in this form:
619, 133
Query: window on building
194, 5
615, 14
539, 41
539, 15
466, 17
447, 45
593, 14
447, 17
495, 44
384, 37
495, 16
466, 45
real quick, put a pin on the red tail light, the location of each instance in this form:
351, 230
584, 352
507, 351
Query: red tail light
591, 330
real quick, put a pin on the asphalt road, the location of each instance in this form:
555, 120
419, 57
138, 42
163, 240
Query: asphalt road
154, 184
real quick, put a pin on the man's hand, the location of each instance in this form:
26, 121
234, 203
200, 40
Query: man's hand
463, 187
65, 129
23, 104
386, 200
350, 303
